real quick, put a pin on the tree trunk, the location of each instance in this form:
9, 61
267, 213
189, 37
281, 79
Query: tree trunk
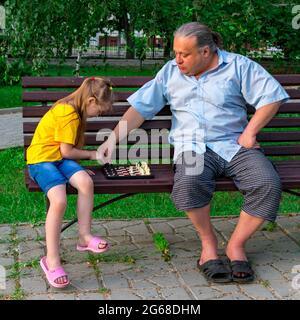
167, 48
128, 30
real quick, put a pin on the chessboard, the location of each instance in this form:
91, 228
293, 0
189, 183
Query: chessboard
127, 171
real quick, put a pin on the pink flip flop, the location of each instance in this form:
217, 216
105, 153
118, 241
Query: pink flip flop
93, 245
53, 275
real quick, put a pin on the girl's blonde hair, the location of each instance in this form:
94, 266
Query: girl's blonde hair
96, 87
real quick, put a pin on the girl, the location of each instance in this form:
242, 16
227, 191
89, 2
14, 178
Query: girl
50, 157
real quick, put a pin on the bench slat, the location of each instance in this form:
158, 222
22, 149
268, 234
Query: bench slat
75, 82
91, 139
51, 96
133, 81
293, 93
288, 79
95, 126
163, 181
119, 110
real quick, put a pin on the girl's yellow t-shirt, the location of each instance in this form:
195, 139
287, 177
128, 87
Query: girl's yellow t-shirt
59, 124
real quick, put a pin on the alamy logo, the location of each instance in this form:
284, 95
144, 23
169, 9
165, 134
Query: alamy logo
296, 278
2, 18
296, 19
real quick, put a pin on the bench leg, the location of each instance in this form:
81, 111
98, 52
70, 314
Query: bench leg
99, 206
292, 192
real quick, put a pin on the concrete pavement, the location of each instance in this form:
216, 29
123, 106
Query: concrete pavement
135, 269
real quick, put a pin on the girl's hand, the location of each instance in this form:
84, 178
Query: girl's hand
248, 141
93, 154
90, 172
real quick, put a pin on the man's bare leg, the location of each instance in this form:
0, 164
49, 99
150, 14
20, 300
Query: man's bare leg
246, 227
200, 218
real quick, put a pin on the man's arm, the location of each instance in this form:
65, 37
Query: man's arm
260, 118
131, 119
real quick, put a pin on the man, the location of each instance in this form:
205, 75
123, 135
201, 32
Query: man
208, 89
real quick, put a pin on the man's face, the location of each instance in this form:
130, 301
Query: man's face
190, 59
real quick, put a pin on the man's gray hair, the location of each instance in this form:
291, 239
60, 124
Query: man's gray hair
204, 36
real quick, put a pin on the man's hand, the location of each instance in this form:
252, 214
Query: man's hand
105, 151
248, 141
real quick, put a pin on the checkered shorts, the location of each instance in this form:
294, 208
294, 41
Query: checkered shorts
254, 175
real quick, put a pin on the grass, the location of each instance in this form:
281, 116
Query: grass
19, 205
162, 245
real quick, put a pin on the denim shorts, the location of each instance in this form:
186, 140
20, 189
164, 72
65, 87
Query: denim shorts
50, 174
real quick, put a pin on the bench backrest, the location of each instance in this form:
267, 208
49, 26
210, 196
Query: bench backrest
280, 137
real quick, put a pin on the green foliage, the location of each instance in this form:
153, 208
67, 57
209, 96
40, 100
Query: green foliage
251, 24
40, 30
162, 244
270, 227
141, 47
11, 72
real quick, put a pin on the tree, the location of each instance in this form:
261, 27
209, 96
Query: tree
163, 18
122, 16
249, 24
38, 30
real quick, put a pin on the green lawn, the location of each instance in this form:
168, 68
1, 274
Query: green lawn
19, 205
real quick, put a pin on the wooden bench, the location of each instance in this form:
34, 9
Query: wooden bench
282, 141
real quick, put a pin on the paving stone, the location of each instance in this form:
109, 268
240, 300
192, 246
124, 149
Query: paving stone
8, 288
6, 262
115, 268
147, 294
26, 232
33, 285
267, 272
141, 238
204, 293
228, 288
162, 227
225, 227
123, 294
291, 226
30, 250
120, 227
11, 127
115, 281
180, 223
167, 280
239, 296
90, 296
142, 284
5, 233
62, 296
73, 257
82, 277
4, 249
37, 297
257, 292
71, 232
282, 288
193, 277
177, 293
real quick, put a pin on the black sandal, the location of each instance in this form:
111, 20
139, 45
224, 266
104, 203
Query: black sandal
215, 271
238, 266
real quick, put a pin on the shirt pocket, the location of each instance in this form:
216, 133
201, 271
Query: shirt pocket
223, 94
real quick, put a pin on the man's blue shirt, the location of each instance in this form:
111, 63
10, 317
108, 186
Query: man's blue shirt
210, 111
